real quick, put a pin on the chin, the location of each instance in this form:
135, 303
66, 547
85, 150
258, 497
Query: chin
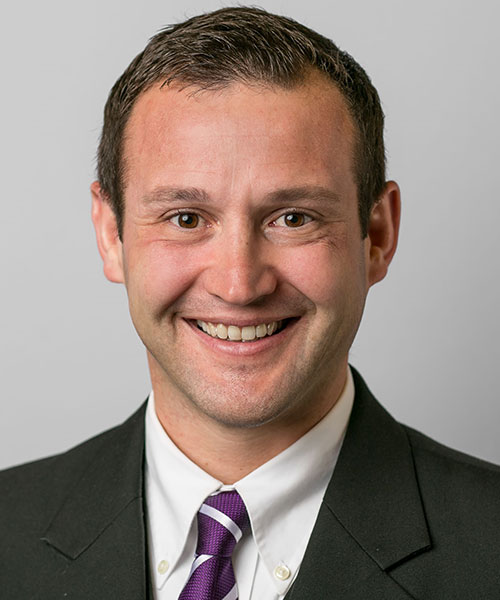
238, 408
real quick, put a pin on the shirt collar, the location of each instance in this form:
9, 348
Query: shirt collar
282, 496
175, 486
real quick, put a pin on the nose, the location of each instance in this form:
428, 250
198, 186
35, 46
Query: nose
241, 271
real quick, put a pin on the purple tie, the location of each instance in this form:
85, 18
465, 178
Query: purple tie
222, 521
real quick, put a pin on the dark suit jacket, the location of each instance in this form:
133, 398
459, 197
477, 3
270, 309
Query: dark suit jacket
403, 517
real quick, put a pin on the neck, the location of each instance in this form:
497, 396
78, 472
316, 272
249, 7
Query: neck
229, 453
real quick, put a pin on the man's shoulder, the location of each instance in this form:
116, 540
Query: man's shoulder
432, 459
37, 488
459, 495
438, 460
457, 490
69, 461
54, 509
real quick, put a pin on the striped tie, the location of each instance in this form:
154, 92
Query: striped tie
222, 521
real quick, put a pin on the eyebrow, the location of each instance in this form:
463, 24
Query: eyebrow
296, 194
162, 195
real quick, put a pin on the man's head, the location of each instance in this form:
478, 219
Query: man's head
241, 247
250, 46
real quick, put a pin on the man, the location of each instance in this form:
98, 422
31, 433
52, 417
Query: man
241, 199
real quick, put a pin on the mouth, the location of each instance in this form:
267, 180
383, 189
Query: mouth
248, 333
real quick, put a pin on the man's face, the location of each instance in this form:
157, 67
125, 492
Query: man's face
241, 218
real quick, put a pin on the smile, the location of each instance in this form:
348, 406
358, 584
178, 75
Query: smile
234, 333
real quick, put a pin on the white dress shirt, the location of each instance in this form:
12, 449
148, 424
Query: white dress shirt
282, 496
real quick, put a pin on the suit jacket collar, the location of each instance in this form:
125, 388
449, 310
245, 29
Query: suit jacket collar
100, 525
371, 518
374, 491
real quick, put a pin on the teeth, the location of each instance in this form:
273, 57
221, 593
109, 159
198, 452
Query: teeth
261, 330
236, 334
248, 333
221, 331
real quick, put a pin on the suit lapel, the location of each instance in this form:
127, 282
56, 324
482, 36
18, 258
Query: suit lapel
371, 518
99, 530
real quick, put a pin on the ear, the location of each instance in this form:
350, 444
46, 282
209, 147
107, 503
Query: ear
108, 240
383, 231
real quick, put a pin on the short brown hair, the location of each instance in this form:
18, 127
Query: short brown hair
248, 45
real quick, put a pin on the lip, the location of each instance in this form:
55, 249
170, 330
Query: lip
247, 349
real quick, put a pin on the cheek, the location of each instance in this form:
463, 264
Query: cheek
157, 274
325, 274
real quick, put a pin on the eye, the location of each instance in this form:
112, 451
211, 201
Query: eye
186, 220
293, 219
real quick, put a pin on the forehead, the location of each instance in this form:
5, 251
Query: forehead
240, 131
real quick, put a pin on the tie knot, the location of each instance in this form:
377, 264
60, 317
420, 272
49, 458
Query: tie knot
222, 521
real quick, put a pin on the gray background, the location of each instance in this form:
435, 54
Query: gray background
71, 362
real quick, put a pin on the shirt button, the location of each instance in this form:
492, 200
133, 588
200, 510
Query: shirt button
163, 567
282, 572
